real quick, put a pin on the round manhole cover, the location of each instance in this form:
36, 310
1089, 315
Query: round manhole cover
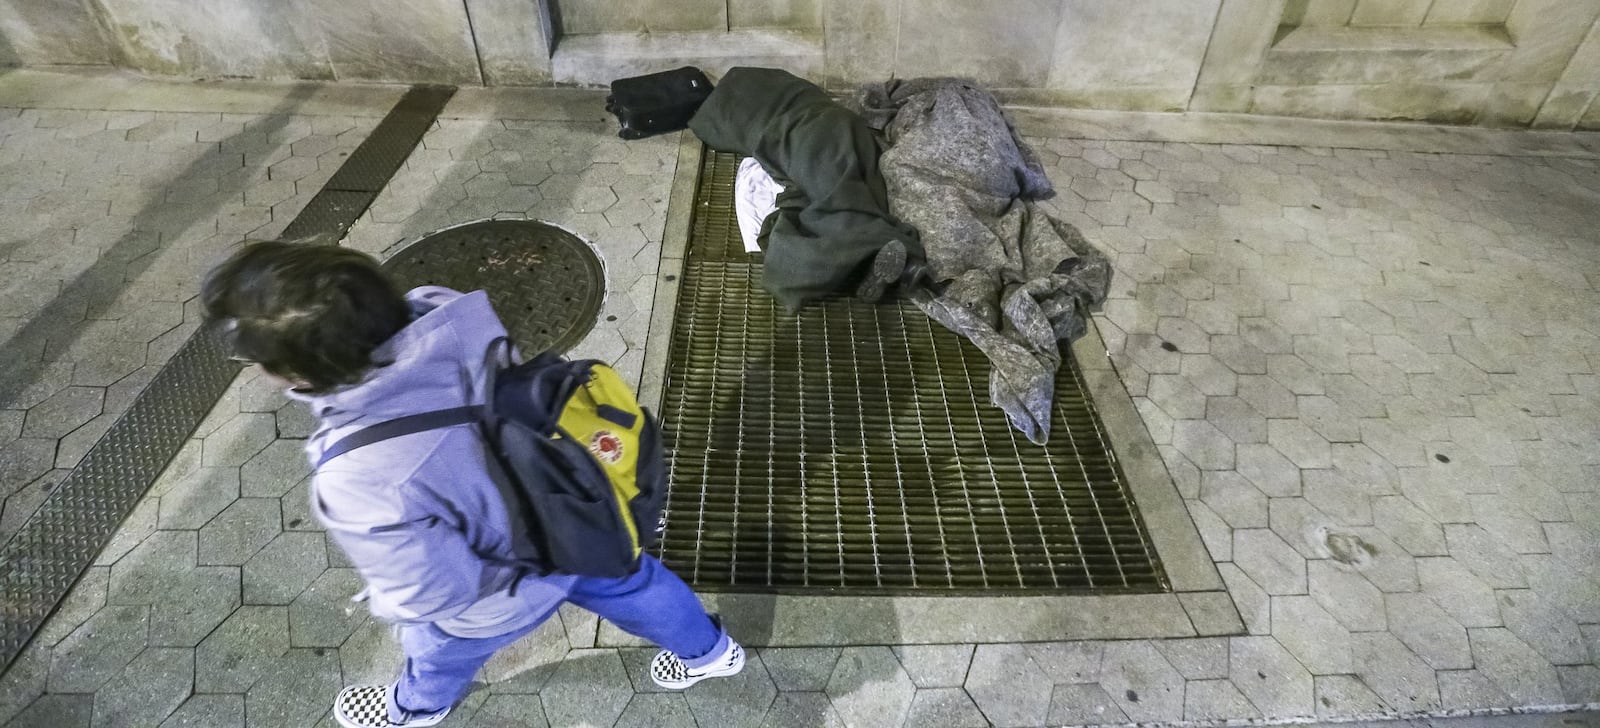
546, 283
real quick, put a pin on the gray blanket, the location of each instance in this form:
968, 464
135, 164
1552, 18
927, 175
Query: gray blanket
1019, 281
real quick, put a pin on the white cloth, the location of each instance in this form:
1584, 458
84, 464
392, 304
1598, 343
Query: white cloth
755, 196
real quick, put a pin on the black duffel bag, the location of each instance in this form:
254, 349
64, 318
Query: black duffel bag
657, 103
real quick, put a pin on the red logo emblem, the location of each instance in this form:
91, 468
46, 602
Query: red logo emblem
606, 446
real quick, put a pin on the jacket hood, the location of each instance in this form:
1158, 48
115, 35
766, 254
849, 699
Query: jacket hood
435, 362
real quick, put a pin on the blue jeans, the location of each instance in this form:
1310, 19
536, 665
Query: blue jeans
653, 604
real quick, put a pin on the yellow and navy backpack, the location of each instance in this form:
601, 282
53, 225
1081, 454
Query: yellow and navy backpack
584, 475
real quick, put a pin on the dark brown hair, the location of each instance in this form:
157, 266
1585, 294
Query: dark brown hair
312, 314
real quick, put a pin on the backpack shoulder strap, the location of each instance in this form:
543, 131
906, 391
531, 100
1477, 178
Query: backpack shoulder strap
408, 425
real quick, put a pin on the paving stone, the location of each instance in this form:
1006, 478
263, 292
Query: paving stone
234, 443
274, 470
324, 615
208, 711
1345, 695
1203, 444
868, 685
657, 710
1301, 525
192, 605
1176, 396
1312, 635
98, 650
1484, 556
1216, 700
1236, 419
242, 650
296, 508
1211, 613
1428, 631
239, 532
1515, 667
1197, 659
197, 498
589, 686
294, 420
1299, 444
82, 602
1255, 606
284, 568
929, 666
527, 664
148, 690
23, 461
1544, 627
297, 693
1458, 592
1083, 705
1269, 470
1347, 596
1375, 556
1140, 681
370, 656
1579, 683
1395, 673
1333, 495
1068, 662
63, 412
802, 709
1416, 532
1509, 524
1270, 677
1234, 499
1469, 690
1269, 561
25, 681
57, 711
945, 708
808, 668
512, 711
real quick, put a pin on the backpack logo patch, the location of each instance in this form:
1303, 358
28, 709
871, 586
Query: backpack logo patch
606, 446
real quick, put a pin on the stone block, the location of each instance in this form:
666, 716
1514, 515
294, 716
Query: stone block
227, 38
242, 651
1390, 12
808, 668
945, 708
284, 568
98, 650
1007, 44
789, 14
869, 685
1468, 12
427, 41
1152, 46
580, 17
1141, 682
589, 686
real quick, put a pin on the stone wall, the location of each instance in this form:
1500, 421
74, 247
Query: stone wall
1491, 62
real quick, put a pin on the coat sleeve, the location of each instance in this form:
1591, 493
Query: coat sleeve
417, 566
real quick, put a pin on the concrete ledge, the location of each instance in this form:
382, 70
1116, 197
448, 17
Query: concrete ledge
1219, 128
1311, 56
107, 90
765, 620
600, 58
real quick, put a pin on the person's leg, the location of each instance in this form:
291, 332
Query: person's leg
654, 604
439, 667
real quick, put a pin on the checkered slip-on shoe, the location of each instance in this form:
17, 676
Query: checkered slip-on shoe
367, 706
669, 671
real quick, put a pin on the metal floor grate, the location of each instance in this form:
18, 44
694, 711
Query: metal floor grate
851, 448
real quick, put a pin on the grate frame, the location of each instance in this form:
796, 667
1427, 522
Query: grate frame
883, 412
